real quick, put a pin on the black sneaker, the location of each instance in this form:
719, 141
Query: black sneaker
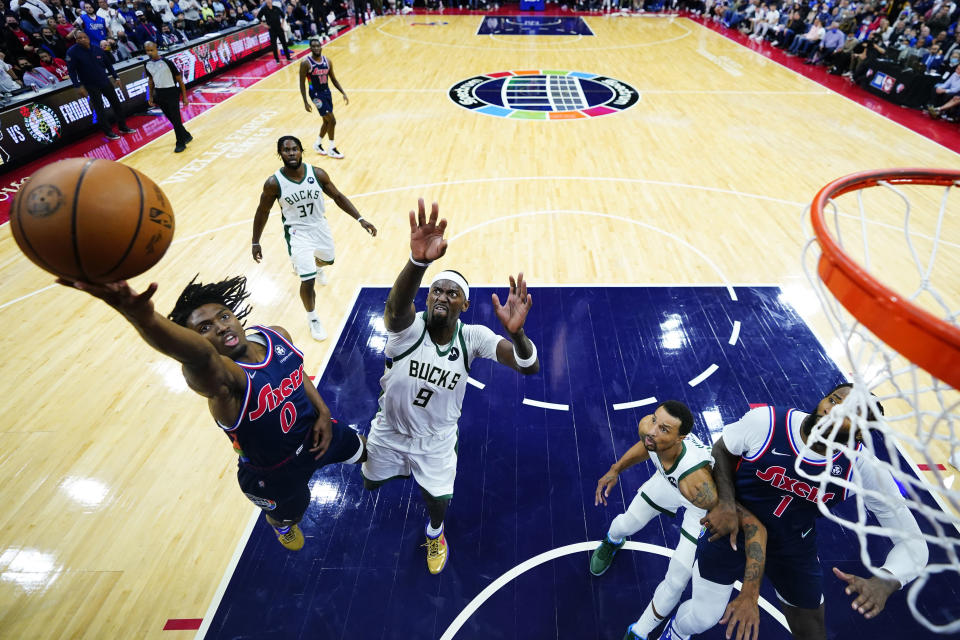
125, 130
112, 136
189, 139
180, 148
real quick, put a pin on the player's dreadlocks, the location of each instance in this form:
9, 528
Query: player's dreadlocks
230, 293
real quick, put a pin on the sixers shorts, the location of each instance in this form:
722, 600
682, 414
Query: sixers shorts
284, 492
792, 566
323, 100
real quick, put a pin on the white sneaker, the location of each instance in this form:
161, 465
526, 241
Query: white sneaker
333, 153
317, 330
319, 148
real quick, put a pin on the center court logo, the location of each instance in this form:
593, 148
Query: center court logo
544, 95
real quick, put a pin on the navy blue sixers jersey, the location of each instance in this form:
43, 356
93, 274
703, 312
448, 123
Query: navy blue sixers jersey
276, 414
318, 75
768, 485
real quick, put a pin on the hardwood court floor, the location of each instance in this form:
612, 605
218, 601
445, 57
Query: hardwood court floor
121, 504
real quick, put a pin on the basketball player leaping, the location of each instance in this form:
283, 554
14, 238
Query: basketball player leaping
768, 442
281, 439
428, 357
682, 479
319, 69
299, 189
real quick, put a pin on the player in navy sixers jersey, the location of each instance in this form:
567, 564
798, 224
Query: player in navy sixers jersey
256, 389
318, 69
768, 442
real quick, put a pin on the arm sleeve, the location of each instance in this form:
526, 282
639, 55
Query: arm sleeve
747, 435
909, 554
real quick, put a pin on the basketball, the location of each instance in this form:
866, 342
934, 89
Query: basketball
92, 220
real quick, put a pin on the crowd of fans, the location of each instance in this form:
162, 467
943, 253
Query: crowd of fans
851, 37
846, 36
37, 33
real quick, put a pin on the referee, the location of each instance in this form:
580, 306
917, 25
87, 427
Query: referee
164, 78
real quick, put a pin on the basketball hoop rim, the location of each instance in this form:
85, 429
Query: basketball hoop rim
920, 336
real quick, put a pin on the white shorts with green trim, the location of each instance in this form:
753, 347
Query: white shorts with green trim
306, 244
665, 498
432, 460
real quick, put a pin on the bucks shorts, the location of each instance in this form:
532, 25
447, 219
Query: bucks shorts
306, 245
659, 495
431, 460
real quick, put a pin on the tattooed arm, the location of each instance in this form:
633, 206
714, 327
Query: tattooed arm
743, 610
698, 487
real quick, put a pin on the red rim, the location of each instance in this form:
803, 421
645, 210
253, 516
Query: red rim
917, 335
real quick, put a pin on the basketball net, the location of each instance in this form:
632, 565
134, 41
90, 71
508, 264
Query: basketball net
883, 256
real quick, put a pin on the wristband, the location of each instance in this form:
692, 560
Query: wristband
418, 264
360, 219
523, 363
255, 244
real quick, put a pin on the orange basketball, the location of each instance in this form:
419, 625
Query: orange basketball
92, 220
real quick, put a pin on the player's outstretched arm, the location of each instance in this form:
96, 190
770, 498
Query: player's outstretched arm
742, 614
522, 354
426, 245
634, 455
722, 519
206, 371
342, 201
271, 191
304, 72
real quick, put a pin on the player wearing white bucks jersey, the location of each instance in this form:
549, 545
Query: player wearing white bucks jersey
682, 479
299, 188
429, 356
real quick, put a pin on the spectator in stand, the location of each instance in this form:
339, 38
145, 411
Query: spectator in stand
89, 67
162, 7
64, 28
863, 56
180, 30
944, 96
50, 41
940, 21
8, 79
128, 12
206, 11
830, 44
36, 77
785, 36
145, 32
16, 41
93, 25
38, 9
125, 47
56, 66
298, 20
933, 60
953, 46
27, 22
167, 37
106, 45
804, 44
191, 14
771, 18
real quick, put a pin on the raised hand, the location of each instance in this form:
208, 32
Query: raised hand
873, 592
513, 313
426, 236
119, 295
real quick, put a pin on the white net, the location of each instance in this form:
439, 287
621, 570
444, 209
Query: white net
906, 237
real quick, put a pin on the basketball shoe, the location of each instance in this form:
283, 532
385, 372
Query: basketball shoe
333, 153
317, 330
319, 148
436, 553
633, 635
290, 537
603, 556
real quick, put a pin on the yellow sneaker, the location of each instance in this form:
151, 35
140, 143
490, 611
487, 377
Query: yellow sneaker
292, 539
436, 553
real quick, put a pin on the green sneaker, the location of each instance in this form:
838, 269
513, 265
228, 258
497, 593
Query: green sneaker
632, 635
603, 556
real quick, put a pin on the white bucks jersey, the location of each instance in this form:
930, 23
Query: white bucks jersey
693, 455
301, 203
423, 384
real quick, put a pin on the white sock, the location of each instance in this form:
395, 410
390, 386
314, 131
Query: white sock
434, 533
647, 622
614, 540
333, 145
320, 140
312, 315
